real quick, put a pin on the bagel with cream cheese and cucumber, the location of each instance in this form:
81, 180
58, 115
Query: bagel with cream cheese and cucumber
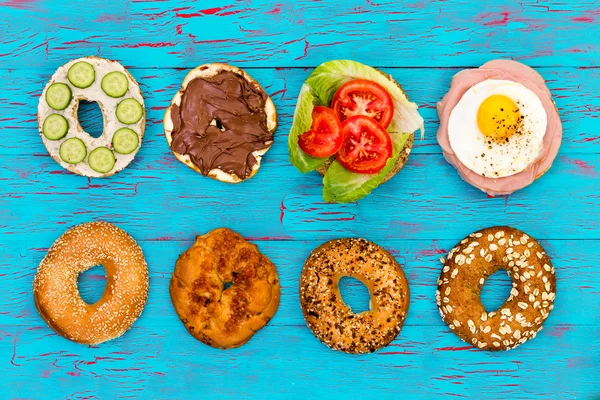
355, 126
120, 99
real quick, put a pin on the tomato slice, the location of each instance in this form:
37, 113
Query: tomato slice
366, 146
363, 97
325, 135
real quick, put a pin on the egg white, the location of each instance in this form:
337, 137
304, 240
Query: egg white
497, 159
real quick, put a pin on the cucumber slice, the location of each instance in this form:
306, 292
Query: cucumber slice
72, 151
115, 84
129, 111
125, 141
81, 74
58, 96
101, 160
55, 127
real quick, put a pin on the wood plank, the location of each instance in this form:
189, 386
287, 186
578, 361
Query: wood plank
289, 362
302, 33
576, 92
159, 197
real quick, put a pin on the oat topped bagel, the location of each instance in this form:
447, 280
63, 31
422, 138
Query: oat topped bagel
466, 269
221, 123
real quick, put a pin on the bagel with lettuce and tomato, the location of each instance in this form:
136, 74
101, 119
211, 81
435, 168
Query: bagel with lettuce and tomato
355, 126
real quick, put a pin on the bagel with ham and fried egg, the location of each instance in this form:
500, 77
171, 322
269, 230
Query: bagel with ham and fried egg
499, 126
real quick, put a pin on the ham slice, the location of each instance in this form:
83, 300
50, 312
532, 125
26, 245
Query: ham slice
528, 77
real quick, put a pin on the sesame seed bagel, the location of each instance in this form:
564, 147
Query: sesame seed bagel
55, 286
326, 314
467, 267
218, 316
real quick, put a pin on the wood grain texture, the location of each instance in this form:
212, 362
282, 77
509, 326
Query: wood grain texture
418, 216
303, 32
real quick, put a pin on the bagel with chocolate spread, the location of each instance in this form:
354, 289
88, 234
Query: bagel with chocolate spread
220, 316
221, 123
465, 271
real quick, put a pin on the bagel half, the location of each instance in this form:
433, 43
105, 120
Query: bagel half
404, 153
107, 105
207, 71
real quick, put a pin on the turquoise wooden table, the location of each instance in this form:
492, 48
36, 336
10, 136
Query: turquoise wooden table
418, 216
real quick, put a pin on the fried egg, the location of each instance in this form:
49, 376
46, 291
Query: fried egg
497, 128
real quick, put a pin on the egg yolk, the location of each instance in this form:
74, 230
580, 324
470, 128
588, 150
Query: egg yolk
498, 117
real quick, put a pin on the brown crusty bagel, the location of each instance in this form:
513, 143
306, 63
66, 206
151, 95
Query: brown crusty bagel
326, 314
209, 70
218, 316
77, 250
467, 267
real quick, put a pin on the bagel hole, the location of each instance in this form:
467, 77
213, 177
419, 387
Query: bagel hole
218, 124
90, 118
496, 289
227, 285
91, 284
355, 294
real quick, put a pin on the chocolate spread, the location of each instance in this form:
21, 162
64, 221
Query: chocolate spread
221, 120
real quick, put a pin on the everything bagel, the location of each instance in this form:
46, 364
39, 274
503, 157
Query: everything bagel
77, 250
326, 314
467, 267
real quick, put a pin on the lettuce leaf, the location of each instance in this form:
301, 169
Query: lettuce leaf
302, 123
339, 184
343, 186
